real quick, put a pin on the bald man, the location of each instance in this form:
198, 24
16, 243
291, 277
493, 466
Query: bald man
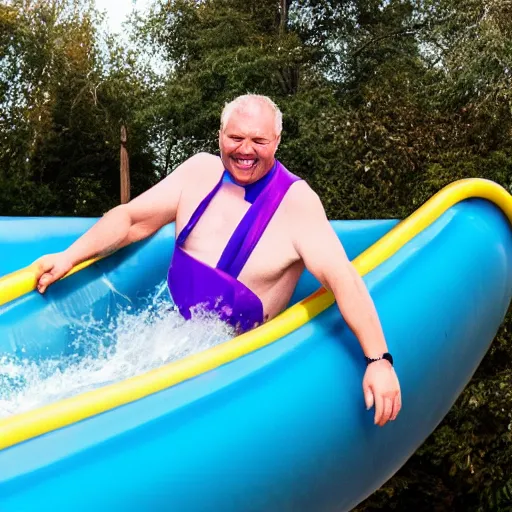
246, 228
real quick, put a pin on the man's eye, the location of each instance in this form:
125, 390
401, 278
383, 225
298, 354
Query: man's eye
236, 139
261, 142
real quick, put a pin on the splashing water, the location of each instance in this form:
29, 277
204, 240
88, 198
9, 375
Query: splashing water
108, 351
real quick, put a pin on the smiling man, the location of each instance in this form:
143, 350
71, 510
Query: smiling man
246, 228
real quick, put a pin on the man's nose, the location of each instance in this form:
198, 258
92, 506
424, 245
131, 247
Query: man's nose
246, 146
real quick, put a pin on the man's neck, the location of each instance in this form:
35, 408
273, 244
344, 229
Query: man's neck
253, 190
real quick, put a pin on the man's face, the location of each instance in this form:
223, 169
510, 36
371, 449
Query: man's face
248, 143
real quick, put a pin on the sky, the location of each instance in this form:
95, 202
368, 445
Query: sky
118, 10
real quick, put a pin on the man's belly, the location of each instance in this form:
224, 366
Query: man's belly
275, 295
272, 284
272, 270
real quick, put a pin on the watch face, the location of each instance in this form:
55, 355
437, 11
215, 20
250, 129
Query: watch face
388, 357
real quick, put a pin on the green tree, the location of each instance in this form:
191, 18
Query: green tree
66, 90
384, 102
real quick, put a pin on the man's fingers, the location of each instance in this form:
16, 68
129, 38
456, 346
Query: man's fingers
386, 411
49, 269
45, 278
48, 277
381, 381
368, 398
379, 408
44, 281
44, 265
397, 405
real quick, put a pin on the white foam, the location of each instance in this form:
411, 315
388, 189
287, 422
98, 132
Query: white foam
128, 345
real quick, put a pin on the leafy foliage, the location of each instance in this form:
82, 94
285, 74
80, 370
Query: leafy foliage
384, 103
65, 90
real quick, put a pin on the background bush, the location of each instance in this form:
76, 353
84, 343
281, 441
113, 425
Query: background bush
384, 103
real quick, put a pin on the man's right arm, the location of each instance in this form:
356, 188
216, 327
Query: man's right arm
122, 225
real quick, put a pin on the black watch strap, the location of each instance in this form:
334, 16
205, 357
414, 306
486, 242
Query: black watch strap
387, 356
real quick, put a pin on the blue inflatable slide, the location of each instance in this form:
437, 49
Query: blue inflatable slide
269, 421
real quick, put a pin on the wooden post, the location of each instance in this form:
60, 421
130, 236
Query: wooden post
125, 168
284, 15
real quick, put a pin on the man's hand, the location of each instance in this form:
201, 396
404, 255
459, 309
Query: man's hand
50, 268
382, 389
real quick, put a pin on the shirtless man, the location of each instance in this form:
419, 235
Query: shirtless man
208, 197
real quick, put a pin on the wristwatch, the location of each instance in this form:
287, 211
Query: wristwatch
387, 356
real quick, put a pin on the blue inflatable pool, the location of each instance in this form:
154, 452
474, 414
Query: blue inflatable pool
273, 420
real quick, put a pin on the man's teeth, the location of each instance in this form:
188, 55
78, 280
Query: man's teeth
245, 162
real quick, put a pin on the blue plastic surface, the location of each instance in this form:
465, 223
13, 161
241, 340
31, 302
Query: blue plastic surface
283, 428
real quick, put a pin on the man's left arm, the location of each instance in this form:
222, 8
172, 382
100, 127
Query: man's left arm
324, 256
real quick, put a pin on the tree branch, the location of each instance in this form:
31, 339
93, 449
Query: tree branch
406, 32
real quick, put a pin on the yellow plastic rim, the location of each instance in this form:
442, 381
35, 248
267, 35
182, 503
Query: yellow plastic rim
24, 426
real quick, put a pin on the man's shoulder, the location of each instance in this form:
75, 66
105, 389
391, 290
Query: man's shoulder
204, 163
206, 158
301, 196
200, 168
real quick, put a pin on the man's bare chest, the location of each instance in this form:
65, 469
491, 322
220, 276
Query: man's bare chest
217, 225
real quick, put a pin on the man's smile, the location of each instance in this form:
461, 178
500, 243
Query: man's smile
245, 163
